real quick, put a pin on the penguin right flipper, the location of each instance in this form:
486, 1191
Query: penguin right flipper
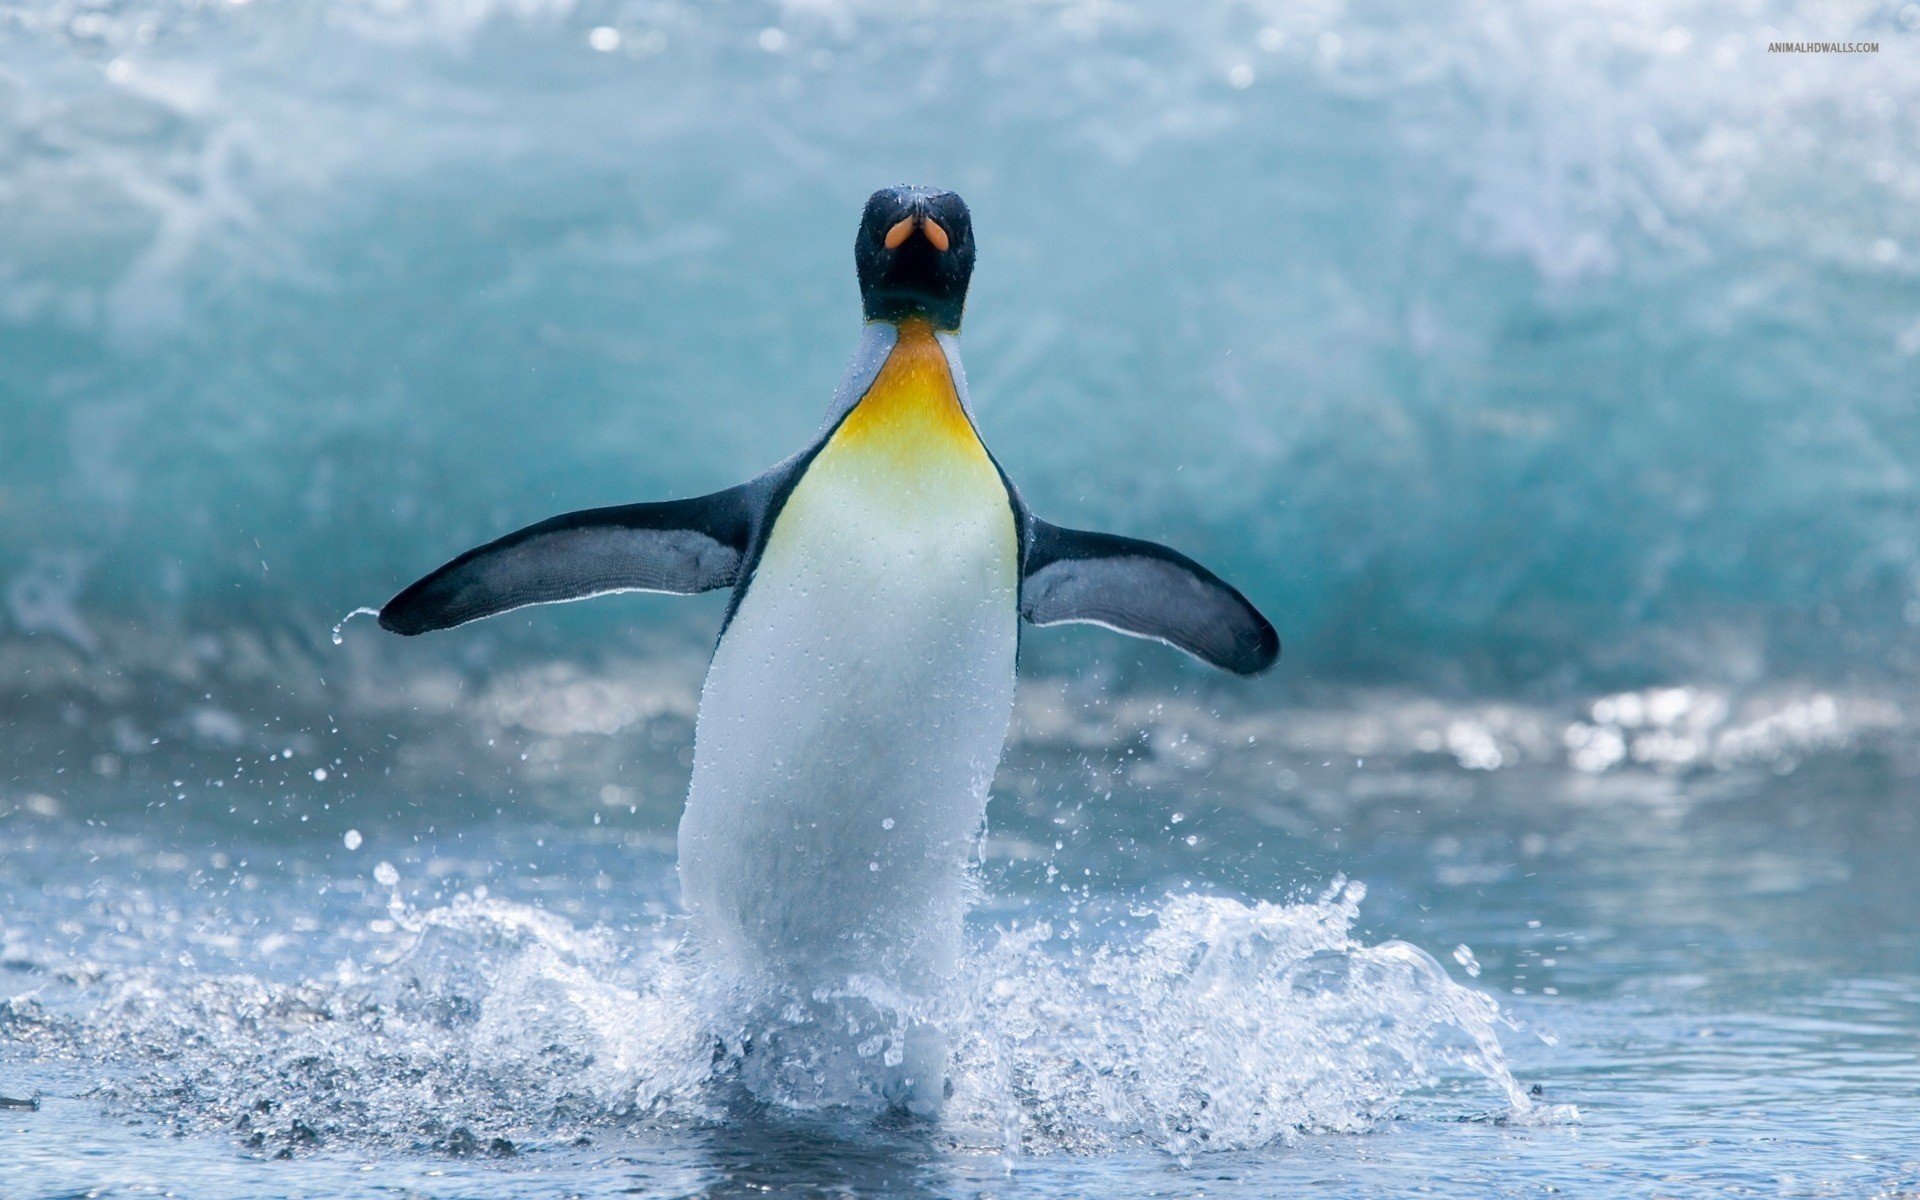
676, 546
1143, 589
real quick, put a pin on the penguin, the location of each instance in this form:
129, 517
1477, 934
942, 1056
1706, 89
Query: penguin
862, 685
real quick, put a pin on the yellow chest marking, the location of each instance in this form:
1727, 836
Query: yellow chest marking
904, 474
908, 442
912, 414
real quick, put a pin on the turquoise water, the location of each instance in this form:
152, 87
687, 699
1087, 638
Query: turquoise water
1547, 376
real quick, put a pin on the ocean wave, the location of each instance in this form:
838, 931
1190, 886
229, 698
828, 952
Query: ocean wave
1545, 344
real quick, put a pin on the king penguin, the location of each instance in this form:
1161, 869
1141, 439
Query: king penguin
862, 686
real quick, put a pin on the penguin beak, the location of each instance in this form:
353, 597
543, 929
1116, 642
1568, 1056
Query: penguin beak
904, 228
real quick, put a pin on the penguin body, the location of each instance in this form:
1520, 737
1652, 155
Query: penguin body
885, 601
856, 707
860, 693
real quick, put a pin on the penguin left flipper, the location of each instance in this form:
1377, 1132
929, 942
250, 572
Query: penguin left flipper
677, 546
1145, 590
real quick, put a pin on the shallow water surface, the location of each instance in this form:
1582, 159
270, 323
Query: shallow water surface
1652, 979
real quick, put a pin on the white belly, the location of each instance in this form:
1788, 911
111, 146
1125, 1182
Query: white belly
851, 723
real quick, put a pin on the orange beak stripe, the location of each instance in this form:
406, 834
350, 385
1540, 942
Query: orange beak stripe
903, 229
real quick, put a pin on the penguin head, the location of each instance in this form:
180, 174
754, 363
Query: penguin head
914, 254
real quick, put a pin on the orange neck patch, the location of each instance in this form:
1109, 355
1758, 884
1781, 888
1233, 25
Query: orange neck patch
912, 407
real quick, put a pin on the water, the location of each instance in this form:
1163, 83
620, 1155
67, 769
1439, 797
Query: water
1547, 376
299, 297
1706, 971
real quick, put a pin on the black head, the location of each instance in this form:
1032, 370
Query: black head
914, 254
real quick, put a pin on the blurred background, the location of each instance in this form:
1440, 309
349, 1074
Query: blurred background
1488, 344
1549, 373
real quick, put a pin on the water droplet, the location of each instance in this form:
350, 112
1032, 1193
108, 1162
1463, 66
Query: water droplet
385, 875
352, 839
1463, 955
338, 637
887, 823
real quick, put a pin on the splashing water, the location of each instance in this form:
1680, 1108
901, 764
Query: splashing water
172, 971
341, 624
1227, 1026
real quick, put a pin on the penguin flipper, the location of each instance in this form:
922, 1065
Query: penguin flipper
677, 546
1144, 590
